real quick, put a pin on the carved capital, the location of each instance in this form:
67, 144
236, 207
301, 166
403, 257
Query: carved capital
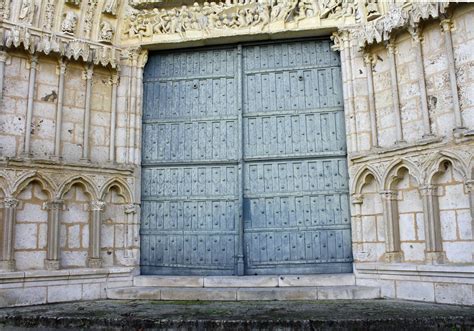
88, 72
33, 62
469, 185
429, 190
115, 79
54, 204
391, 47
357, 199
97, 205
368, 58
130, 209
389, 195
10, 202
447, 25
415, 33
3, 56
62, 66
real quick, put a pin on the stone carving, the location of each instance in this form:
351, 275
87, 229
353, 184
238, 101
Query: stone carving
73, 2
48, 44
89, 17
27, 11
5, 9
372, 9
106, 32
49, 15
69, 22
110, 7
18, 36
242, 14
379, 29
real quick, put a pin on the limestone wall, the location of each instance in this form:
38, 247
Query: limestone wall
411, 153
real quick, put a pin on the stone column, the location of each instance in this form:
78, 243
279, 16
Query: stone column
138, 111
434, 244
97, 208
395, 96
368, 59
129, 233
52, 257
417, 40
446, 28
59, 111
7, 262
393, 252
113, 116
133, 54
357, 200
470, 188
342, 44
3, 60
29, 106
87, 113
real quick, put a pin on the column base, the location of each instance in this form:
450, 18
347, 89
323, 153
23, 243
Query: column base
85, 160
7, 265
51, 264
393, 257
94, 263
435, 257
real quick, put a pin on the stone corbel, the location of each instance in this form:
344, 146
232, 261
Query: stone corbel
7, 257
393, 252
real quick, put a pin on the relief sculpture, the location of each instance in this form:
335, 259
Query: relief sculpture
226, 15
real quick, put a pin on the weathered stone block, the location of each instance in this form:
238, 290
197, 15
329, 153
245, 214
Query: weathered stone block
418, 291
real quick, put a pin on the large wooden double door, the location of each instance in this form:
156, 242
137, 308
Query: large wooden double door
244, 161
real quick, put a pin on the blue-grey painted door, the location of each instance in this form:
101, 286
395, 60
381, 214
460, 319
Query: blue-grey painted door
190, 203
296, 217
244, 162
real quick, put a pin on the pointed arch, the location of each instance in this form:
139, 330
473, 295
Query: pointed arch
33, 176
79, 179
394, 170
124, 189
361, 178
4, 184
437, 162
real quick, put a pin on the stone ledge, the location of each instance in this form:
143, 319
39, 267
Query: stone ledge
434, 273
65, 274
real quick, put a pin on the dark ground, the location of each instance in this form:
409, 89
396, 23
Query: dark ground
270, 315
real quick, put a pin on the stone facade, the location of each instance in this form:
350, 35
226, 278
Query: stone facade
70, 136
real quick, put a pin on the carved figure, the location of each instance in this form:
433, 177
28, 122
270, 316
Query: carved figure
110, 7
27, 11
106, 32
372, 9
69, 23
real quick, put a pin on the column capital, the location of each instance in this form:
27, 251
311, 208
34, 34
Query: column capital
33, 62
368, 58
10, 202
88, 72
469, 185
97, 205
56, 204
115, 78
391, 47
415, 33
447, 25
429, 190
3, 56
62, 66
357, 199
130, 209
340, 39
389, 195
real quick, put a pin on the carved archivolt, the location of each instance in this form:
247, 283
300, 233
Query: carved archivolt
242, 14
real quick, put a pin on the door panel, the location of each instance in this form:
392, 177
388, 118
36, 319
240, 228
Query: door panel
189, 175
296, 217
257, 130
